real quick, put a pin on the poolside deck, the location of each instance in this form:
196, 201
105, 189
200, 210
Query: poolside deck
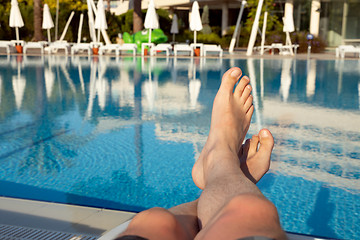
59, 217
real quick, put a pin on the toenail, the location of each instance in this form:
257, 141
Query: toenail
236, 73
264, 133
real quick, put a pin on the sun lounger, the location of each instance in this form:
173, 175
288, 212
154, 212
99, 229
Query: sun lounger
183, 48
35, 45
213, 49
108, 48
81, 47
162, 47
343, 49
6, 45
127, 47
143, 47
284, 49
54, 47
199, 46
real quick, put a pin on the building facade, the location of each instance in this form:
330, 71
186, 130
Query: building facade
335, 21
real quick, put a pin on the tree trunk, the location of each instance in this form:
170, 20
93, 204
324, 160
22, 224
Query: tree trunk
38, 36
137, 20
108, 5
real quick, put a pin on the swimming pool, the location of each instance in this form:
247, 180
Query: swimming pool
123, 133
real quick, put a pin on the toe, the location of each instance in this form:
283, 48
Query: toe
266, 144
246, 93
248, 103
241, 86
249, 113
229, 80
253, 145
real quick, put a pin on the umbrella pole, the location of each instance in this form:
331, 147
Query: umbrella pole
98, 36
80, 27
150, 35
49, 36
17, 34
173, 37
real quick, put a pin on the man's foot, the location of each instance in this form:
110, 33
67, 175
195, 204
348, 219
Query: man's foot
255, 159
230, 121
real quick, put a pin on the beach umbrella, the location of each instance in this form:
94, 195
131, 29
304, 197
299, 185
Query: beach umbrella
15, 20
288, 23
19, 84
195, 19
174, 26
100, 20
151, 19
91, 21
47, 21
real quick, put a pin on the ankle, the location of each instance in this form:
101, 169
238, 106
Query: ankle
220, 157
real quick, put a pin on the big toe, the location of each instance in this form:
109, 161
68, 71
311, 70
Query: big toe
266, 144
229, 79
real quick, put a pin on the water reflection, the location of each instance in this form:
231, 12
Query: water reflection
132, 117
18, 83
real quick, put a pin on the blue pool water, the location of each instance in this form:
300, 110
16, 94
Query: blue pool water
124, 133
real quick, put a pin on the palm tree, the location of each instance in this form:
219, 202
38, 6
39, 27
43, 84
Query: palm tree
38, 36
137, 20
108, 5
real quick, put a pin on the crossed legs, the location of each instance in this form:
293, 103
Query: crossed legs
230, 206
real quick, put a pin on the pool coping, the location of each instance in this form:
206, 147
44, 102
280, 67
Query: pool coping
240, 53
60, 217
65, 218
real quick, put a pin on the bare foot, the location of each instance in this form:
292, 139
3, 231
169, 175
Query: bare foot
255, 162
230, 121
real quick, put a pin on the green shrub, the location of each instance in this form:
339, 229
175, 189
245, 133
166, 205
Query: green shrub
318, 45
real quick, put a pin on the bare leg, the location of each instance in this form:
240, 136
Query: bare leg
254, 163
231, 206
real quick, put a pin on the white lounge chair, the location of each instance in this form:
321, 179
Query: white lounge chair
57, 45
35, 45
127, 47
81, 47
343, 49
6, 45
284, 49
212, 48
183, 48
144, 46
108, 48
161, 47
198, 46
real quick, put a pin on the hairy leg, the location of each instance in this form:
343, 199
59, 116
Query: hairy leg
231, 204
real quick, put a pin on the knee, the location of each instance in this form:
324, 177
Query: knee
252, 205
159, 218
